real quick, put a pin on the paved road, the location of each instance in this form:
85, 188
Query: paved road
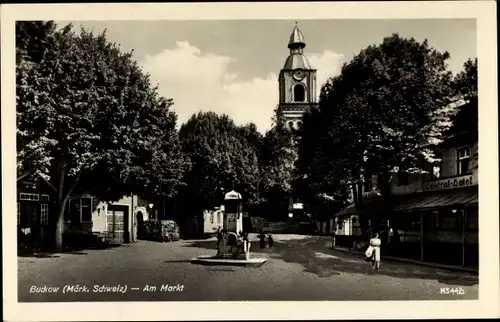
297, 270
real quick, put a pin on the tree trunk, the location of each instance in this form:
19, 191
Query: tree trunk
60, 225
61, 203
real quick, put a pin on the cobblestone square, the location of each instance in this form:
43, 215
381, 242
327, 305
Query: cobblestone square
298, 270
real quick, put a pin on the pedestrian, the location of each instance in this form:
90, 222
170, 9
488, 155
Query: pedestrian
270, 240
375, 243
262, 240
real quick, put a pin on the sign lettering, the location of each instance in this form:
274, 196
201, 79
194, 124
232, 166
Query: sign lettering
452, 183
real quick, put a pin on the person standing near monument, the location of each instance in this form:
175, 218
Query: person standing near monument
375, 243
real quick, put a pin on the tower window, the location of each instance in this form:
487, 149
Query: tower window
299, 93
290, 125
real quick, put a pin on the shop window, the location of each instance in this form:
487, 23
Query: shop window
472, 221
44, 214
447, 220
18, 213
430, 220
86, 210
45, 198
29, 196
463, 157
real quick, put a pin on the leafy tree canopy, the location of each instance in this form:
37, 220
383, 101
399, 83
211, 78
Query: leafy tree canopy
385, 112
89, 118
223, 157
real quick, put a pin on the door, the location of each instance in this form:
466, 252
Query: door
115, 222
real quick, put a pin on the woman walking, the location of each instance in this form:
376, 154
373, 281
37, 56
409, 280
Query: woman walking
375, 243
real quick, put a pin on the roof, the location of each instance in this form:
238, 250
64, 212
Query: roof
297, 61
36, 172
438, 200
296, 39
232, 195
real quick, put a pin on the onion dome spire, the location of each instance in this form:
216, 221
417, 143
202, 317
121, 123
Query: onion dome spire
296, 39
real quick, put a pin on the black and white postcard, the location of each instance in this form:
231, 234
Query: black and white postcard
196, 161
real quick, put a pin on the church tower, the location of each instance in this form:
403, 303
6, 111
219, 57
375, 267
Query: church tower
297, 83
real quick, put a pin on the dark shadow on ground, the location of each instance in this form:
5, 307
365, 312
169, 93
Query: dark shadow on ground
303, 252
68, 251
221, 269
209, 244
178, 261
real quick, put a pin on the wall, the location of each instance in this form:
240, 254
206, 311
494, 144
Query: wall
415, 183
99, 218
212, 220
448, 170
449, 162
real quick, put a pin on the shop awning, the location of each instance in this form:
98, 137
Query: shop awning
346, 211
438, 200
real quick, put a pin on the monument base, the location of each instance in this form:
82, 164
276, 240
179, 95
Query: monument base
217, 260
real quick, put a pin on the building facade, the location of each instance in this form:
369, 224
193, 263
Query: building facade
117, 221
297, 83
36, 209
84, 216
432, 216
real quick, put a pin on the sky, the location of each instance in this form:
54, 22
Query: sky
231, 66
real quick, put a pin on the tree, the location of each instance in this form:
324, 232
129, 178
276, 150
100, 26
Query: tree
277, 158
93, 115
384, 113
223, 156
465, 87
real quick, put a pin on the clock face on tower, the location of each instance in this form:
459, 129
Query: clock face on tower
299, 75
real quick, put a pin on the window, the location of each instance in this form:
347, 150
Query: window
44, 214
18, 213
29, 196
299, 93
211, 217
86, 209
436, 172
45, 197
435, 219
463, 157
74, 210
218, 217
299, 124
402, 179
290, 125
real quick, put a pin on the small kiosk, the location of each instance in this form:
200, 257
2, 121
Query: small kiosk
232, 247
233, 212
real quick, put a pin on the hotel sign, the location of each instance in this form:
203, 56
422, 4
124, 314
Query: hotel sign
451, 183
